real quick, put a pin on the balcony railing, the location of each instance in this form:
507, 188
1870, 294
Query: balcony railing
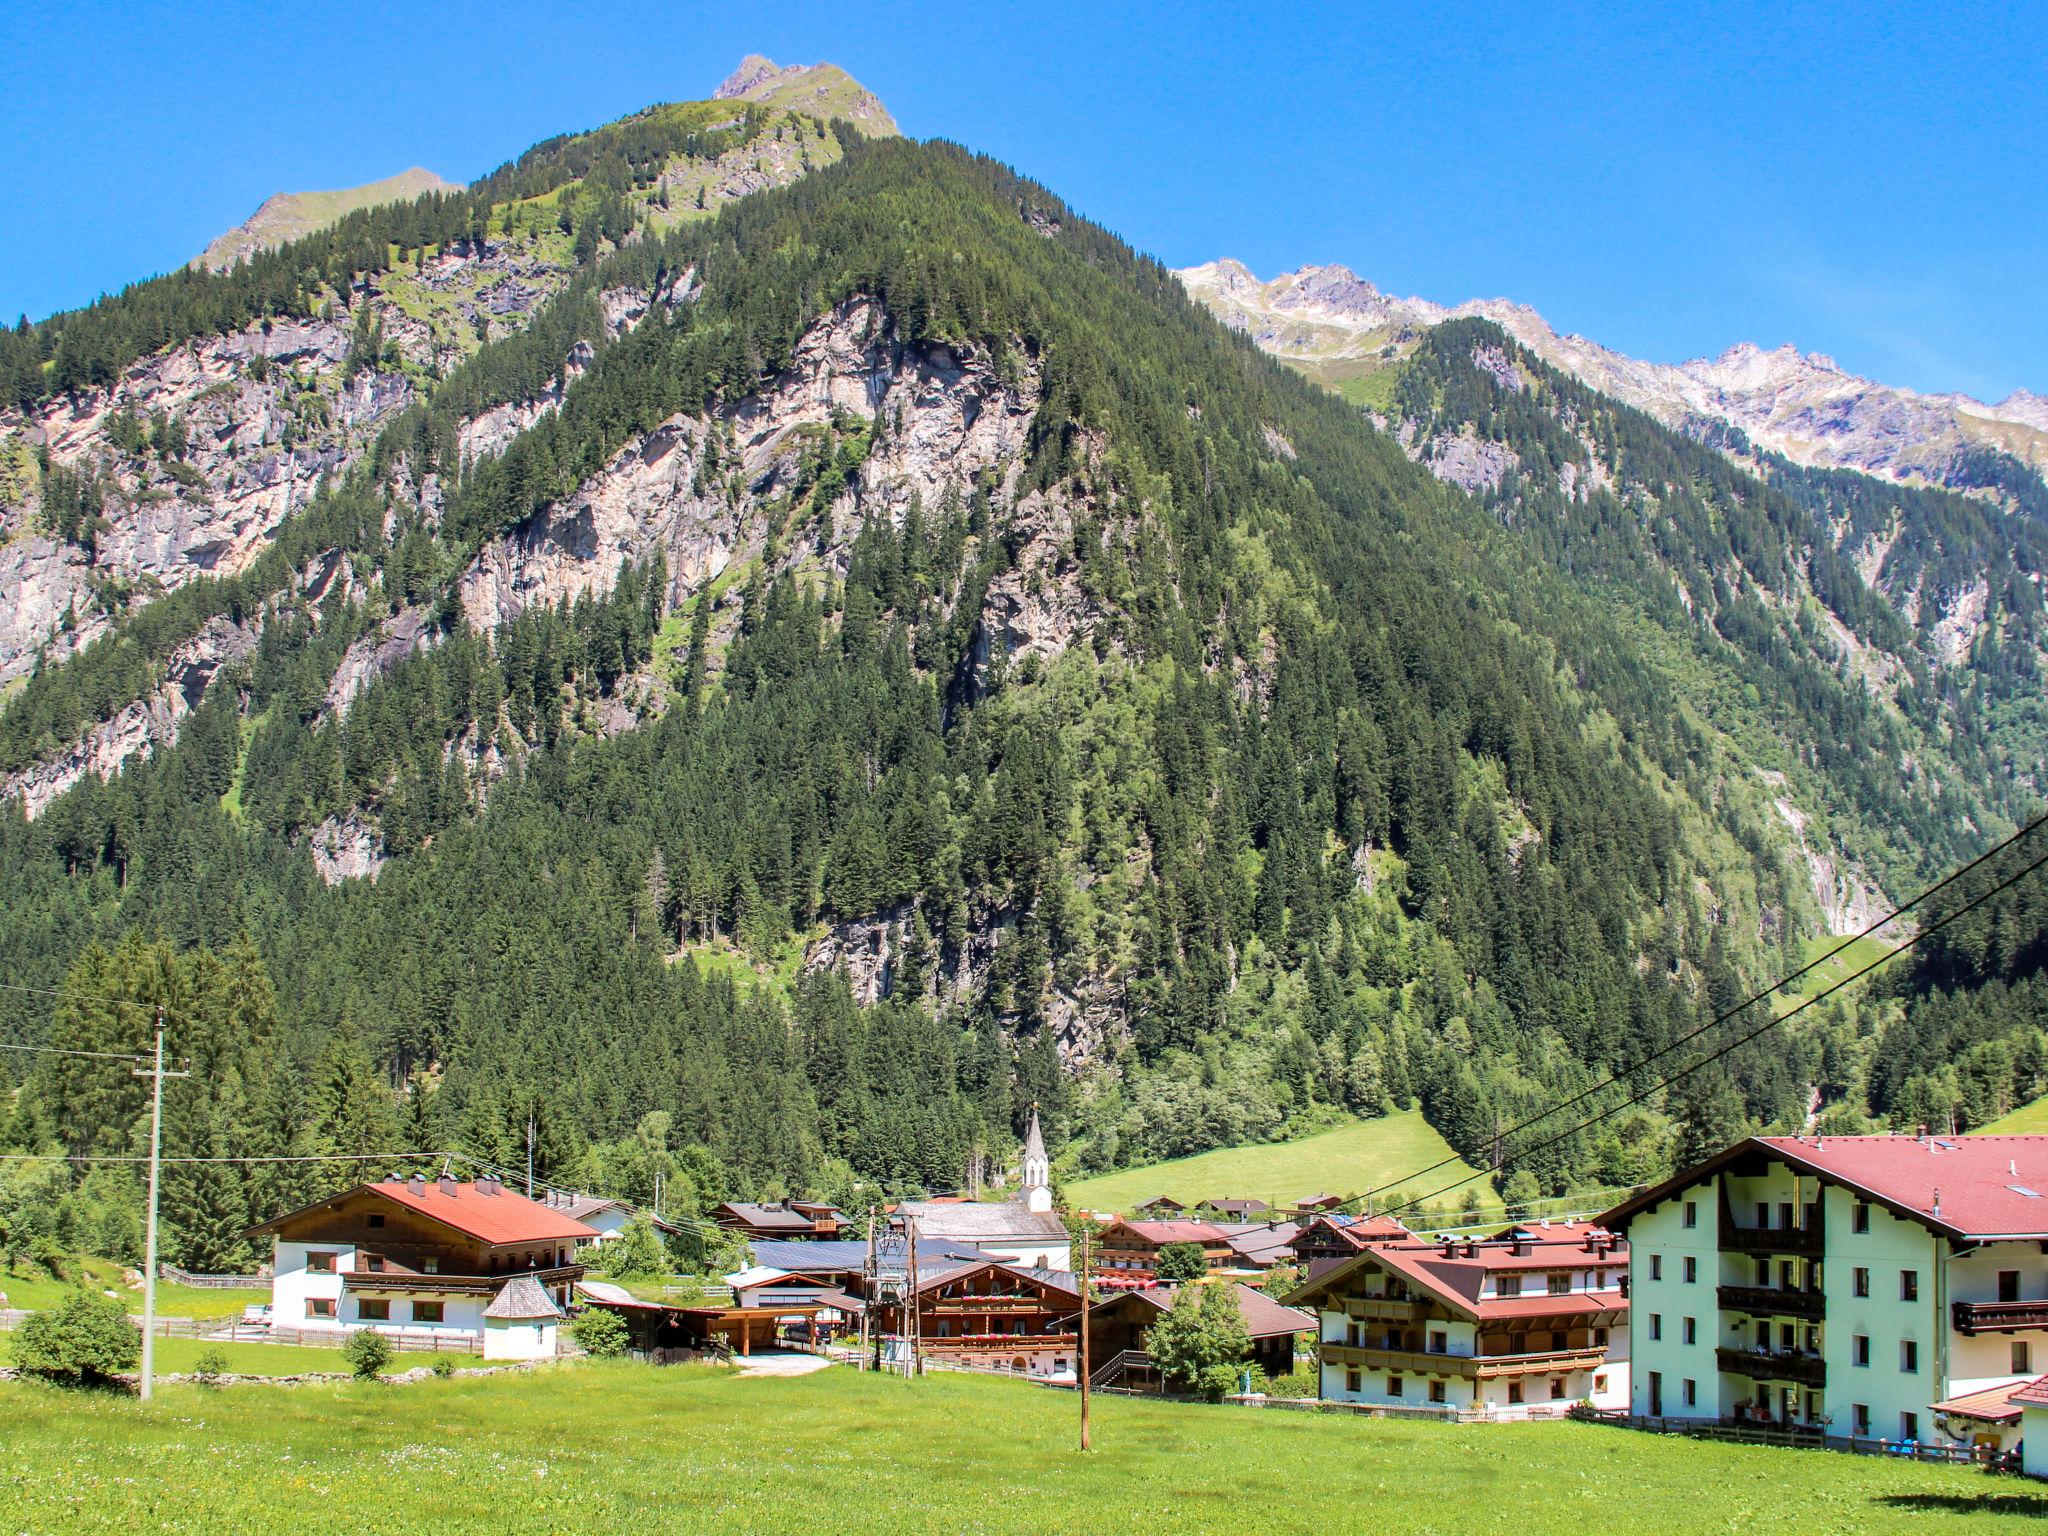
1383, 1309
1546, 1362
1763, 1300
1974, 1317
1774, 1365
404, 1282
1801, 1240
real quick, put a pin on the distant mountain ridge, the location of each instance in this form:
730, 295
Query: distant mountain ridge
1342, 329
286, 216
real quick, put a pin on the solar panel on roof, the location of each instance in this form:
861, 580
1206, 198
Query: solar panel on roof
2021, 1189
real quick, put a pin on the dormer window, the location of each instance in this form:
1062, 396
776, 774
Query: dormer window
376, 1218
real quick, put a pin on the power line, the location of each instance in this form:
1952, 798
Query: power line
307, 1157
60, 1050
87, 997
1740, 1008
1754, 1034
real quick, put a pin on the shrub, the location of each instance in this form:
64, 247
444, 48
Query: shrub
210, 1367
600, 1334
1302, 1381
86, 1341
443, 1366
48, 1254
367, 1352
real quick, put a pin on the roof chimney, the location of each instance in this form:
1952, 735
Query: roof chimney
1937, 1199
417, 1184
446, 1185
488, 1185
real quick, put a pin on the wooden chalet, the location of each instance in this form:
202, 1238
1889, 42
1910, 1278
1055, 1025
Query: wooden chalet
1121, 1326
784, 1219
989, 1314
1327, 1241
1127, 1252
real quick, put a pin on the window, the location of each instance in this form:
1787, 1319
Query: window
1656, 1266
1859, 1418
1785, 1214
430, 1265
1351, 1334
1600, 1337
374, 1263
1909, 1357
1763, 1213
1656, 1325
1859, 1218
1691, 1393
1692, 1269
1350, 1380
1514, 1392
321, 1263
376, 1218
1600, 1383
1560, 1285
426, 1311
1692, 1330
1692, 1213
374, 1309
1436, 1391
1439, 1343
1556, 1389
1859, 1281
1507, 1285
1396, 1386
2008, 1285
1909, 1426
2022, 1358
1859, 1349
1788, 1337
319, 1306
1909, 1285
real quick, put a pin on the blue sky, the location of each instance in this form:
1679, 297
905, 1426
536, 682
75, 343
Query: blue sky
1860, 180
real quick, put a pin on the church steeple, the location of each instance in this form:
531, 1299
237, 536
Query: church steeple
1037, 1168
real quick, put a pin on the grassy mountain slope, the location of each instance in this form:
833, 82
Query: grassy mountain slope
897, 554
822, 90
287, 216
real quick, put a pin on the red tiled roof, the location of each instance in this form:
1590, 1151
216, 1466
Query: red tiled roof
2032, 1394
1176, 1231
1599, 1306
1264, 1317
1988, 1186
1995, 1405
1457, 1281
497, 1219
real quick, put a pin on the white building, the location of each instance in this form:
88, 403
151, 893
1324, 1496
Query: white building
1522, 1326
1025, 1231
421, 1258
1844, 1285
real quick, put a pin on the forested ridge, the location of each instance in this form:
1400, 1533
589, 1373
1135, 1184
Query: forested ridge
1329, 799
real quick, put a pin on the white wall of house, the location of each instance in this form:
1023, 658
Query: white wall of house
2034, 1440
1662, 1359
293, 1286
1030, 1252
1990, 1359
518, 1339
1885, 1394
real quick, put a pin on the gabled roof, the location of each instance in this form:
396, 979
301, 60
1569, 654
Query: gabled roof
1457, 1280
845, 1256
1994, 1405
1973, 1188
489, 1213
1163, 1232
1158, 1203
1052, 1279
2032, 1394
771, 1218
983, 1221
1264, 1317
521, 1299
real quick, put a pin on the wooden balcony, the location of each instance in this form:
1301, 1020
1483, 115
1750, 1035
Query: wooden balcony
1766, 1301
1799, 1240
1774, 1365
1483, 1367
400, 1282
1384, 1309
1975, 1317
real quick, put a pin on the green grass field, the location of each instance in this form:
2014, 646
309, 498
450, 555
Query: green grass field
1854, 956
175, 1355
624, 1447
30, 1288
1347, 1161
2027, 1120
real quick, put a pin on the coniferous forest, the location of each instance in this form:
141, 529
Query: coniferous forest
1340, 792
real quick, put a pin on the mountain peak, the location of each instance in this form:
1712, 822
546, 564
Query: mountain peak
824, 90
285, 216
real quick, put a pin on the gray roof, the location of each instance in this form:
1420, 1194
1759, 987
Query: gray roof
521, 1299
841, 1256
983, 1220
1034, 1143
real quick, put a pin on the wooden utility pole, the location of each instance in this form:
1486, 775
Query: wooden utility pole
1083, 1277
156, 1074
912, 1304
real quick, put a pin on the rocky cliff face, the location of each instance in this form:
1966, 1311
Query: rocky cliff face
1804, 406
823, 90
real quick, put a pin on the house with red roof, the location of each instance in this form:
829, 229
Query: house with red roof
1516, 1327
1127, 1252
1845, 1286
427, 1258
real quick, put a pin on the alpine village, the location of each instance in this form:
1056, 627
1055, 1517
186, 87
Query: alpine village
741, 828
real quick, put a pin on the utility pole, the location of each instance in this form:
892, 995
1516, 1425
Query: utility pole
529, 1154
1083, 1278
914, 1307
156, 1074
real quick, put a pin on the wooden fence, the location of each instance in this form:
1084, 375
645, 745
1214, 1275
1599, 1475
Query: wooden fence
186, 1278
1802, 1439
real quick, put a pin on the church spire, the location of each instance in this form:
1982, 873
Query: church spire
1037, 1167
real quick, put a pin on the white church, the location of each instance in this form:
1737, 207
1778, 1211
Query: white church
1024, 1230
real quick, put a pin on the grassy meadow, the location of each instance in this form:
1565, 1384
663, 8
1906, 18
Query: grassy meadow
590, 1447
1346, 1161
2027, 1120
32, 1288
